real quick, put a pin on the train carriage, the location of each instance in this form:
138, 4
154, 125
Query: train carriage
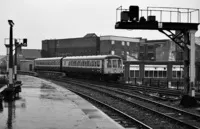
48, 64
107, 67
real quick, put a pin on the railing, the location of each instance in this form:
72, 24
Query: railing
167, 14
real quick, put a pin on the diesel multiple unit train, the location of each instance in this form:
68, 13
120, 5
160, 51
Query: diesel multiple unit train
104, 67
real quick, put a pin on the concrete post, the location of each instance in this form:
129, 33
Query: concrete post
11, 56
192, 63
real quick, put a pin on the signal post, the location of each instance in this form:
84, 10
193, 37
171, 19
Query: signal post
184, 36
14, 87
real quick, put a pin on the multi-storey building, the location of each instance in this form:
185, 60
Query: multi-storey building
91, 44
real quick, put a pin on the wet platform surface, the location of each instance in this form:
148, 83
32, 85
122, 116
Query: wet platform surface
45, 105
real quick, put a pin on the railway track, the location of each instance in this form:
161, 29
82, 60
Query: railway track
160, 90
157, 110
122, 118
150, 89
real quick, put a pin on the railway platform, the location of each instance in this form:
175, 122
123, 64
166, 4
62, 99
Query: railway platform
45, 105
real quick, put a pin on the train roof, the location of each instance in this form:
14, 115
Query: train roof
92, 57
80, 57
50, 58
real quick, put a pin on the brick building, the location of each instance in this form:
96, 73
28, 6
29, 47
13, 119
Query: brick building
87, 45
157, 50
91, 44
127, 47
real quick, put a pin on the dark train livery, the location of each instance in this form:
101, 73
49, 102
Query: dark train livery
105, 67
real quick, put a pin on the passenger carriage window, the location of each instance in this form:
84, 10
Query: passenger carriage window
95, 63
74, 63
92, 63
98, 63
164, 73
79, 63
71, 63
109, 64
119, 64
82, 62
146, 73
88, 63
114, 63
151, 74
160, 73
155, 74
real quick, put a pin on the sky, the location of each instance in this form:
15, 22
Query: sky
38, 20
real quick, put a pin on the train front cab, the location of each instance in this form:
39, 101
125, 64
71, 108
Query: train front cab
113, 69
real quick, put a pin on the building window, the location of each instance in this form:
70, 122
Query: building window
128, 43
113, 52
122, 52
112, 42
122, 43
127, 53
134, 73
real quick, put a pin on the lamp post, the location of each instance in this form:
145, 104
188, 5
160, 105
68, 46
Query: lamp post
11, 55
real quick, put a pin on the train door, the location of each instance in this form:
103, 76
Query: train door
114, 68
107, 66
30, 67
102, 66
